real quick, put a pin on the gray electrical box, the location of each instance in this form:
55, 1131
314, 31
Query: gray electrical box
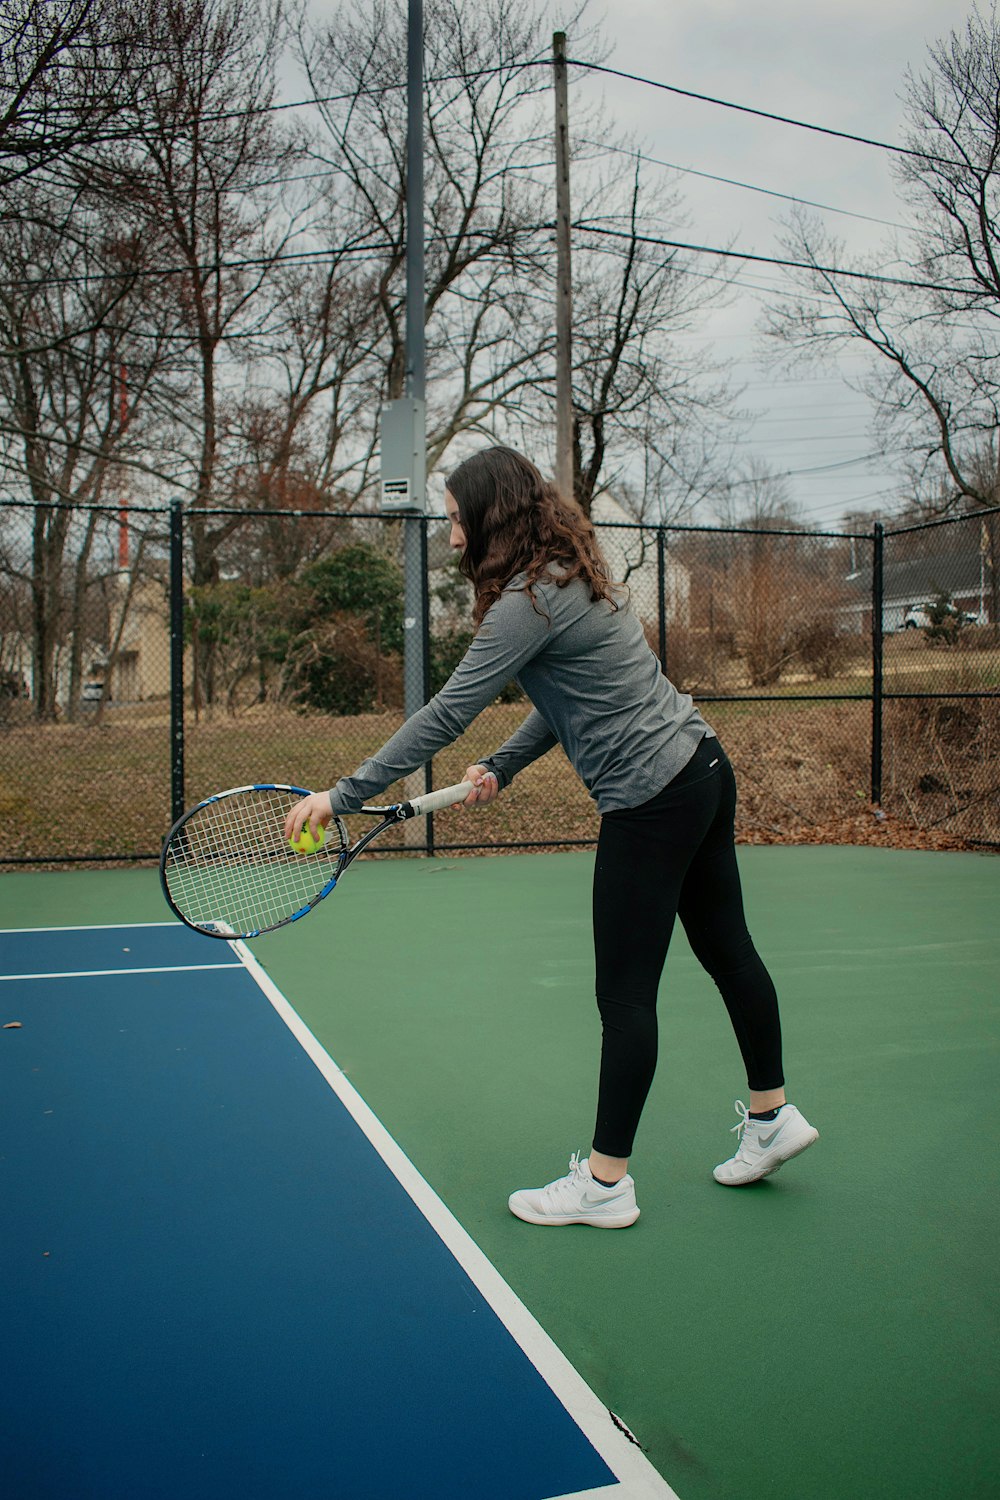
403, 455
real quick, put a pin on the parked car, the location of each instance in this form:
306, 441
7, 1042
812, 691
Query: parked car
920, 616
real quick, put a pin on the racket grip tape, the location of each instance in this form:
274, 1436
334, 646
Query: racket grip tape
447, 796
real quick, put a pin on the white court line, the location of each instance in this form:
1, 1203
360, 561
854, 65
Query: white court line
637, 1479
96, 927
103, 973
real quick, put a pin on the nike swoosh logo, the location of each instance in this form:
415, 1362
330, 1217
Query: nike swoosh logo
589, 1201
765, 1140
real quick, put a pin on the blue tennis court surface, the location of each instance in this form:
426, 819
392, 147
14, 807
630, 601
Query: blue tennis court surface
220, 1276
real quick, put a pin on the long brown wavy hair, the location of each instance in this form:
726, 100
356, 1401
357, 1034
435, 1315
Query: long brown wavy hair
517, 522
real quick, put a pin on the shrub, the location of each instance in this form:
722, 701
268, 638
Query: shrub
821, 647
363, 581
944, 621
695, 659
340, 671
347, 652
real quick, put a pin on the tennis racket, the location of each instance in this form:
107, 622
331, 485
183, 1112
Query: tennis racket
227, 869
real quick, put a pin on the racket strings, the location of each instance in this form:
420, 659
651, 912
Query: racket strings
230, 869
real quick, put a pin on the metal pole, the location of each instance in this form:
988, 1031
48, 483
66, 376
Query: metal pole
661, 590
414, 646
878, 596
415, 293
425, 637
176, 660
564, 280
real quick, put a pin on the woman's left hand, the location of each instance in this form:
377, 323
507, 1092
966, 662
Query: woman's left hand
485, 787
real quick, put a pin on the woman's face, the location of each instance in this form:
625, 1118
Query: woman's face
456, 538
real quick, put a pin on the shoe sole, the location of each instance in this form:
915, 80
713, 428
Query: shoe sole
611, 1221
775, 1165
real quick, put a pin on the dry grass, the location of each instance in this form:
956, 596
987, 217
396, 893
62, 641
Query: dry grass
803, 770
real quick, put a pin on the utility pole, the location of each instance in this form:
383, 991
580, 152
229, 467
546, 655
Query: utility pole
414, 684
403, 438
564, 280
403, 431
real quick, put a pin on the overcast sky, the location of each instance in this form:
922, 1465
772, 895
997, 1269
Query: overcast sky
841, 65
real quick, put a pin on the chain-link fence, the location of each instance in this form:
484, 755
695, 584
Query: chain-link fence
941, 676
151, 657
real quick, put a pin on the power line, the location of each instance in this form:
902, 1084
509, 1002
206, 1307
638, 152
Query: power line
761, 289
749, 187
795, 473
335, 169
365, 253
372, 253
513, 69
763, 114
845, 463
469, 76
799, 384
847, 502
207, 268
767, 260
825, 413
834, 441
472, 75
110, 136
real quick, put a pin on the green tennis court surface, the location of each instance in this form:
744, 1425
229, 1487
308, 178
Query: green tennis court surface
829, 1333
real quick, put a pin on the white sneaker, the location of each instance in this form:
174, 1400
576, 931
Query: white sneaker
577, 1199
764, 1145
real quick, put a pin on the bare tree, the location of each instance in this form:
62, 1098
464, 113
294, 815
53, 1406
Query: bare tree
934, 331
634, 391
487, 144
755, 577
65, 421
71, 298
66, 73
205, 140
490, 265
308, 434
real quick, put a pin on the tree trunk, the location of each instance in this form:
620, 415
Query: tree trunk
76, 621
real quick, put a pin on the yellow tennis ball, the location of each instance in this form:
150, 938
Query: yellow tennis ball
306, 844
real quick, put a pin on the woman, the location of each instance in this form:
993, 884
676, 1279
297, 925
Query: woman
547, 613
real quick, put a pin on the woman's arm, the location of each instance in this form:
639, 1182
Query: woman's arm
532, 739
510, 635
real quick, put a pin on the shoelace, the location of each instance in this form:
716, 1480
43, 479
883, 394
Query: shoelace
565, 1184
739, 1129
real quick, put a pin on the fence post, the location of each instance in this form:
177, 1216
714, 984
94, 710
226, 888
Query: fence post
176, 659
661, 592
878, 559
425, 641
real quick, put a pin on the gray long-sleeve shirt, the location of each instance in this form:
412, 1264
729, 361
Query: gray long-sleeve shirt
596, 687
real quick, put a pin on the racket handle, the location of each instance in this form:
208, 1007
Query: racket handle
435, 801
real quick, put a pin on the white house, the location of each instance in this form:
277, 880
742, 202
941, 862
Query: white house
631, 551
962, 577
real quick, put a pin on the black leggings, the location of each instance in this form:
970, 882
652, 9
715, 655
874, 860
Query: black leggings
674, 855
